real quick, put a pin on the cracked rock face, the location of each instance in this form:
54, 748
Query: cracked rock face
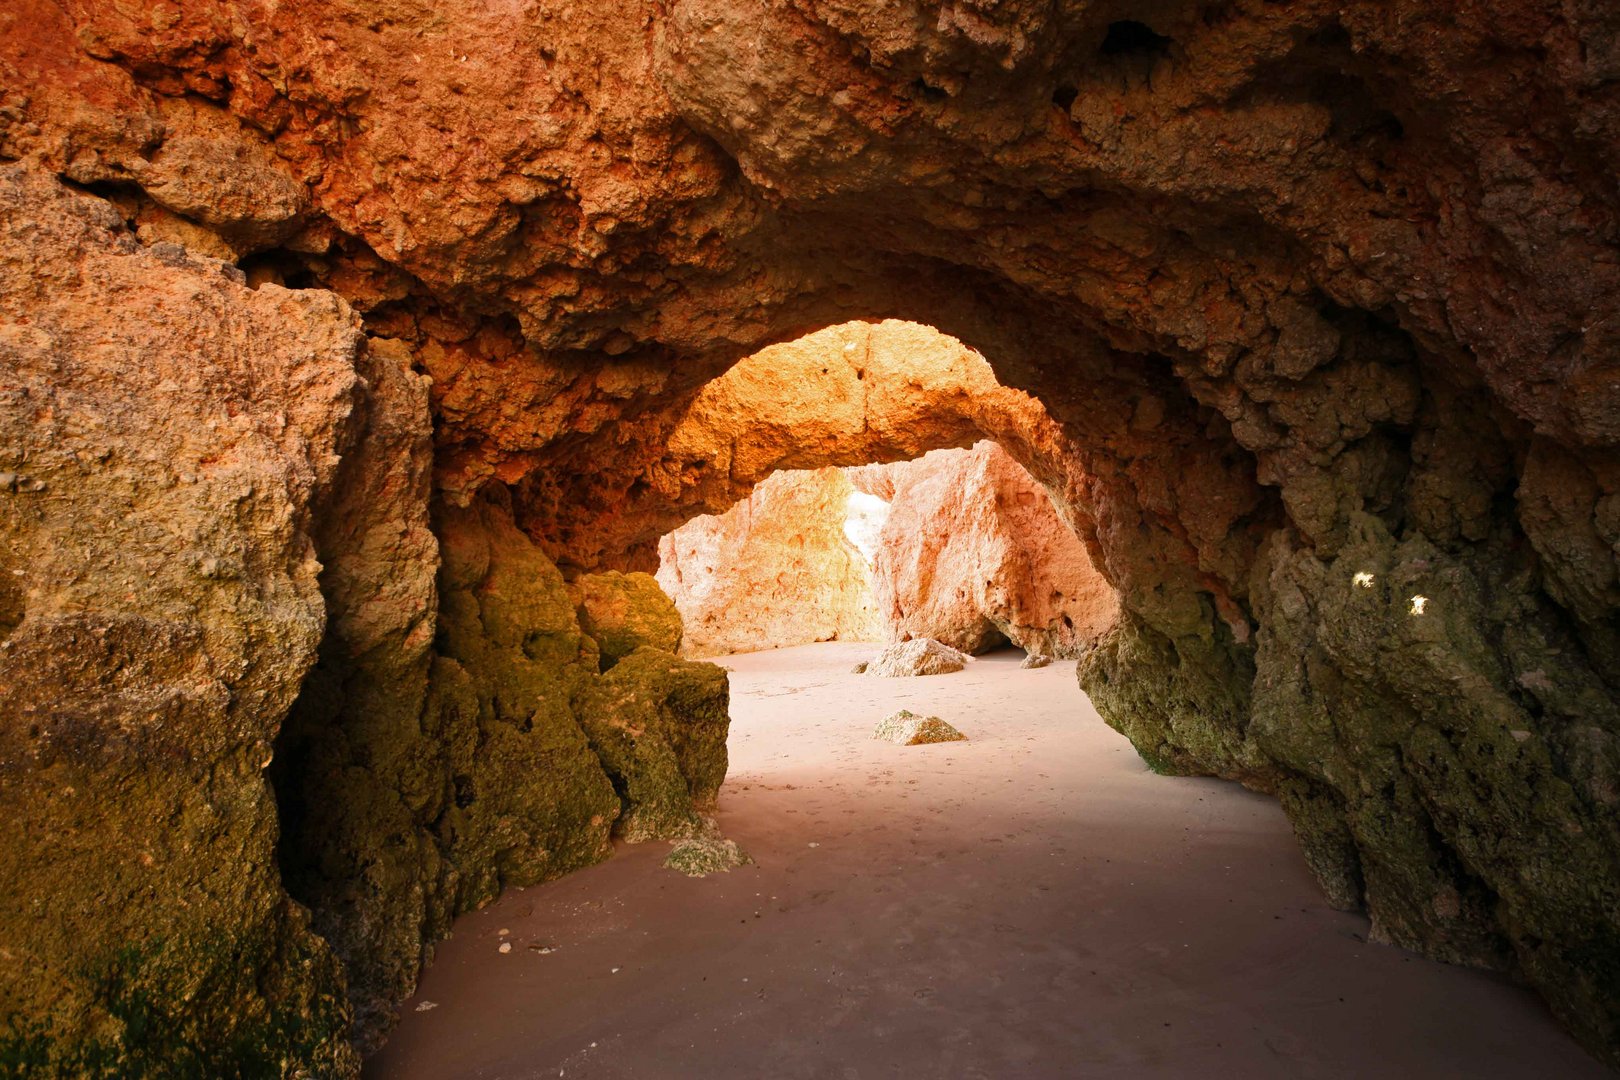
963, 547
1320, 303
973, 554
162, 611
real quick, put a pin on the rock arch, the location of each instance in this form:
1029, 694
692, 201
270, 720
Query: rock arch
1324, 296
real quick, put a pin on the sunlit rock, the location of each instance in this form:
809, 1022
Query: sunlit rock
906, 728
921, 656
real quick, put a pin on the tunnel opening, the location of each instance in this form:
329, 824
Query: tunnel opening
874, 482
838, 469
1128, 37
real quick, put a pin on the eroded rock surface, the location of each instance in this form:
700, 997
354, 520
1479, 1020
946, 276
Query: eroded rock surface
973, 554
776, 569
658, 724
623, 612
1309, 291
167, 433
920, 656
906, 728
701, 856
847, 395
965, 548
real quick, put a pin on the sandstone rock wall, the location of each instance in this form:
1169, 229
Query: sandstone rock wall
776, 569
973, 553
1309, 291
167, 433
970, 551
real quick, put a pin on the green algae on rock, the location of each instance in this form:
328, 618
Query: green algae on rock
699, 856
165, 610
623, 612
658, 725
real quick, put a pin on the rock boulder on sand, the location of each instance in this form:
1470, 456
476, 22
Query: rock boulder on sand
920, 656
906, 728
701, 856
658, 723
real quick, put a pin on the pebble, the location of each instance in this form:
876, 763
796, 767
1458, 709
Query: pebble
506, 946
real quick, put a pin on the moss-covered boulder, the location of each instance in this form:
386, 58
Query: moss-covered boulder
164, 431
526, 798
700, 856
623, 612
658, 723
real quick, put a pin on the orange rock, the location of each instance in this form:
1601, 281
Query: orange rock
974, 554
774, 570
961, 545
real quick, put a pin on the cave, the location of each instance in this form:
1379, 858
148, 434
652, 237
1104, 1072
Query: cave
357, 359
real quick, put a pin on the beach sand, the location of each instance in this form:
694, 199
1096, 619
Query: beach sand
1030, 903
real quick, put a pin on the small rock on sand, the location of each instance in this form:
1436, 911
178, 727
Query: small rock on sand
1034, 660
920, 656
704, 855
906, 728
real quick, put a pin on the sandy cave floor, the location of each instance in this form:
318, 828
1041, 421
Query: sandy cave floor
1031, 903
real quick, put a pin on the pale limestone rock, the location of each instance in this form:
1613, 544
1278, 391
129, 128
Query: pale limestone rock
774, 570
922, 656
973, 554
970, 551
906, 728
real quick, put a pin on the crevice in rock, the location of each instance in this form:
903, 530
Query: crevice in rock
1127, 37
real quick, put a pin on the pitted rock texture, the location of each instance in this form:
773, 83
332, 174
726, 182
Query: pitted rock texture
201, 478
776, 569
1309, 290
355, 779
167, 432
701, 856
973, 554
906, 728
966, 549
658, 724
623, 612
846, 395
920, 656
416, 783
